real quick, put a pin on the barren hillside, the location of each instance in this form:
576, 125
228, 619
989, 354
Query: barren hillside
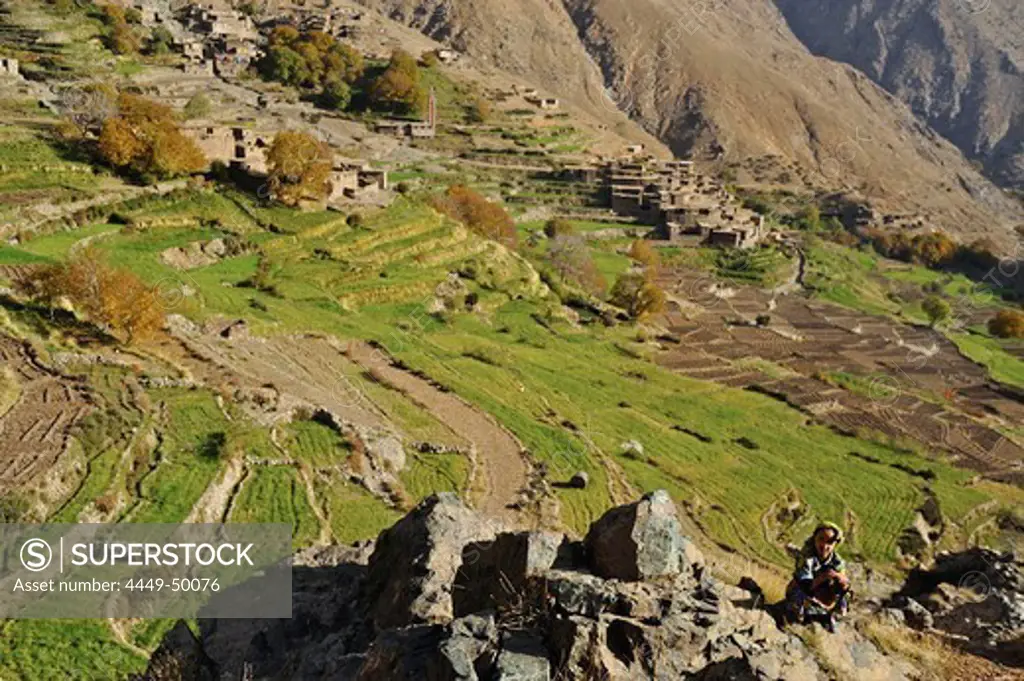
955, 63
728, 80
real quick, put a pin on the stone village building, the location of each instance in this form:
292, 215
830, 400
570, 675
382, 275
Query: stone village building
244, 150
678, 202
413, 129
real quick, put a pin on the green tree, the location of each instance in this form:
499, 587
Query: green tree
936, 308
809, 218
314, 61
398, 87
342, 61
160, 41
638, 295
337, 95
284, 65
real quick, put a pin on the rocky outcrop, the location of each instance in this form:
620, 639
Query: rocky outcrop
413, 569
974, 596
446, 595
640, 541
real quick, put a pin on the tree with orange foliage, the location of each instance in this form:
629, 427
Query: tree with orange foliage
484, 217
1007, 324
299, 168
144, 138
112, 298
933, 249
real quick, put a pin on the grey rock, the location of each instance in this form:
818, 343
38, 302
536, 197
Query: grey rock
639, 541
917, 615
523, 657
495, 573
413, 567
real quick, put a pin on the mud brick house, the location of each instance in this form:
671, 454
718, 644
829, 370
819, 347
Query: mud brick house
412, 129
355, 181
545, 103
232, 56
673, 198
447, 55
236, 147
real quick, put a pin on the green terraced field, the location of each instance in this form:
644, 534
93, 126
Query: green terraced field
538, 377
275, 494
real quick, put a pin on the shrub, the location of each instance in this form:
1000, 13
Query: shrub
198, 107
936, 308
106, 503
13, 508
1007, 324
479, 111
429, 59
556, 227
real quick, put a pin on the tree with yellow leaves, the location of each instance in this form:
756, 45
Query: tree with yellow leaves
144, 138
299, 168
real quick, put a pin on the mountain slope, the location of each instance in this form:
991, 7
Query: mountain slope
956, 63
727, 80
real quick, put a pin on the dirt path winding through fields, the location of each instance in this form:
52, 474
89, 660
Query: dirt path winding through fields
316, 370
504, 466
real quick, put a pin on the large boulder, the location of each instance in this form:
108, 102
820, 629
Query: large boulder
411, 574
639, 541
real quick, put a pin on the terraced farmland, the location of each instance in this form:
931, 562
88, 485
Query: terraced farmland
349, 386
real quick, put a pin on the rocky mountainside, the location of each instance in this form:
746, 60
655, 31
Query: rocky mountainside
956, 63
446, 595
728, 81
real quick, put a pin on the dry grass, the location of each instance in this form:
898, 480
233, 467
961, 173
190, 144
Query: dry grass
927, 653
10, 390
731, 569
933, 656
